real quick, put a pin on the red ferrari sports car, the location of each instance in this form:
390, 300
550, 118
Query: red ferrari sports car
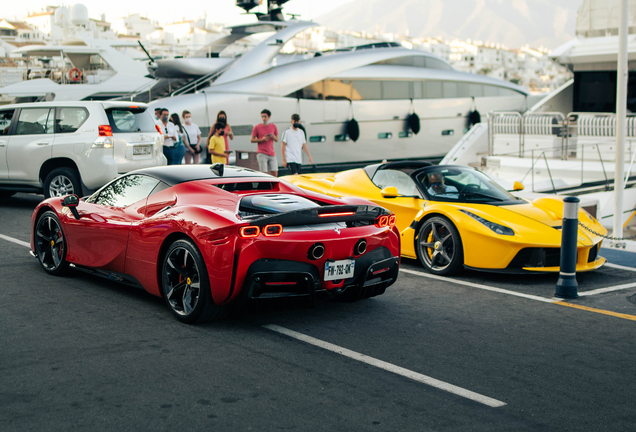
207, 237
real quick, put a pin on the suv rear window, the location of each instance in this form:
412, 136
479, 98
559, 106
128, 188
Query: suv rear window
125, 120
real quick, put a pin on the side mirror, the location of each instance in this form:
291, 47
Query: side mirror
72, 201
218, 169
517, 186
389, 192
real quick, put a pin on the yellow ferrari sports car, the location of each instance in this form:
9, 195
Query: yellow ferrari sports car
454, 217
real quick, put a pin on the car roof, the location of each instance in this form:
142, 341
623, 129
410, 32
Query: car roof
175, 174
103, 104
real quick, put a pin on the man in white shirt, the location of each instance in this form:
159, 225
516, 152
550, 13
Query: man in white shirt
293, 143
169, 137
437, 186
193, 135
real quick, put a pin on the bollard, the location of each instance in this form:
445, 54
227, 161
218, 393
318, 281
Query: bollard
566, 286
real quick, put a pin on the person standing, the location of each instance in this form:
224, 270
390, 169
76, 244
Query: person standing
265, 134
193, 135
169, 137
221, 117
216, 144
180, 145
293, 142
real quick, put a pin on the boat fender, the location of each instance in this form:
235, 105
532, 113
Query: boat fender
353, 130
414, 123
474, 117
302, 128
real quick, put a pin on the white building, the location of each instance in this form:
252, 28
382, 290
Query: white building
42, 21
134, 25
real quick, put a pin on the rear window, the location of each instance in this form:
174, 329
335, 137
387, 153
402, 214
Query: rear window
124, 120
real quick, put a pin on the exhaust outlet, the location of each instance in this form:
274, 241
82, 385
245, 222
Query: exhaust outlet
360, 247
316, 251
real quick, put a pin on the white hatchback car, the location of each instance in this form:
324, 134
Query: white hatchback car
61, 148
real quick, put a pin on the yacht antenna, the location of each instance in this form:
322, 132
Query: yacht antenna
274, 9
143, 48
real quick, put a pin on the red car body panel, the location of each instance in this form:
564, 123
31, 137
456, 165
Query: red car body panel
130, 240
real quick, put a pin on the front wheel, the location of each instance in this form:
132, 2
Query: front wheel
439, 247
61, 182
185, 284
50, 244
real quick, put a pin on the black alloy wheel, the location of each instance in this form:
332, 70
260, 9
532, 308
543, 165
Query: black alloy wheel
50, 244
185, 284
439, 247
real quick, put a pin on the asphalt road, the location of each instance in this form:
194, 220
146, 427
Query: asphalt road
84, 353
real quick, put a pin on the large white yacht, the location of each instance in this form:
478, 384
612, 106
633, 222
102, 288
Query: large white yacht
79, 67
379, 85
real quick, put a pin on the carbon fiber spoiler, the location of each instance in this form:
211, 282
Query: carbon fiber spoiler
323, 214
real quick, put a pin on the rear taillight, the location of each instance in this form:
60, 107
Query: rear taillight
105, 131
336, 214
249, 231
273, 230
385, 221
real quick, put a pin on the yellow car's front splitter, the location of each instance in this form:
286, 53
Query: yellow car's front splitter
580, 268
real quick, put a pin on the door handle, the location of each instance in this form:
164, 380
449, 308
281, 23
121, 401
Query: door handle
44, 143
3, 143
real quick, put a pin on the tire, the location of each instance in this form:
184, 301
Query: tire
61, 182
185, 284
50, 244
439, 247
6, 194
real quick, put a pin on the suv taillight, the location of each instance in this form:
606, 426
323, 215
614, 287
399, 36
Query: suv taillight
105, 131
159, 129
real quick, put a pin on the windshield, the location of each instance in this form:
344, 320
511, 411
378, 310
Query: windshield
460, 184
130, 120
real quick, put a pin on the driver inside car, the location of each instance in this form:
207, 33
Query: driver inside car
437, 186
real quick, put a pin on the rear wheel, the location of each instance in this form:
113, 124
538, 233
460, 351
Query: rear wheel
61, 182
185, 284
439, 246
50, 244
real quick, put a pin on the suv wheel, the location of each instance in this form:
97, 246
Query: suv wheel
62, 182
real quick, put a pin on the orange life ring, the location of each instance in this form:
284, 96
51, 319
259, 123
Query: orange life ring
75, 74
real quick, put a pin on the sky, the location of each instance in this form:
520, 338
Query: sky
218, 11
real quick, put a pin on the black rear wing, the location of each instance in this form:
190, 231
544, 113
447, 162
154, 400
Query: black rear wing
324, 214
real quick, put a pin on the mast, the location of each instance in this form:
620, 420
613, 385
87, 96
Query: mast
621, 109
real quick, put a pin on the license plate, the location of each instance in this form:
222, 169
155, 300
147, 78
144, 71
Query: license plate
339, 269
142, 150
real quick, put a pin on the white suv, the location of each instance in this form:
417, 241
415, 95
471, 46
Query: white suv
62, 148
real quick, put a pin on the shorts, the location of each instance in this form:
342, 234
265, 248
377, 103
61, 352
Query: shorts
294, 167
266, 163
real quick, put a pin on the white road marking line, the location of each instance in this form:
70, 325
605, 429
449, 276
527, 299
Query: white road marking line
608, 289
388, 367
13, 240
474, 285
620, 267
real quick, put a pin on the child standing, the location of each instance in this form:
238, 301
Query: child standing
293, 143
216, 146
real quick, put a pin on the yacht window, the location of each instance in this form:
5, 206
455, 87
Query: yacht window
396, 90
433, 63
463, 90
490, 90
6, 116
338, 89
450, 89
35, 121
475, 90
434, 89
507, 92
419, 90
313, 91
367, 89
68, 120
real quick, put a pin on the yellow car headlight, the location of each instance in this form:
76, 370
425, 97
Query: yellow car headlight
497, 228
